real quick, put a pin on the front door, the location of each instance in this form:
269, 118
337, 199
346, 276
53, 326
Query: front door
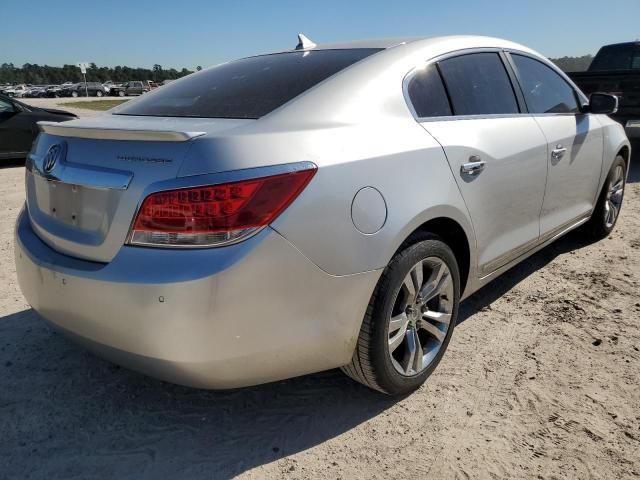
574, 144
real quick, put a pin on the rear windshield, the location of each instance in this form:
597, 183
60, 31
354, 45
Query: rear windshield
247, 88
617, 57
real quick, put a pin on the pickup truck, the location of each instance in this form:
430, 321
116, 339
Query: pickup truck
616, 69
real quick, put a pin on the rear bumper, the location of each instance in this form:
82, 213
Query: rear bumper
246, 314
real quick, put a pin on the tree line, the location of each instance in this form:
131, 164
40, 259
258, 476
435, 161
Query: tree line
573, 64
35, 74
45, 74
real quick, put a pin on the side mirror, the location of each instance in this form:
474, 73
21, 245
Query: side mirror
603, 103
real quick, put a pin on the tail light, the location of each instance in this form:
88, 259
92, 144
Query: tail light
217, 214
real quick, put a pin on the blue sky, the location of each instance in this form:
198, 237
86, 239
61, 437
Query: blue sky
187, 33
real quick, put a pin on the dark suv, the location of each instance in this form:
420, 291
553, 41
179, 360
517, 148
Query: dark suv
131, 88
93, 89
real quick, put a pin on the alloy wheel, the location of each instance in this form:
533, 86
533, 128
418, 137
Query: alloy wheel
421, 316
613, 201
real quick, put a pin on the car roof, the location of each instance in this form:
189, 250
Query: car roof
471, 41
377, 79
381, 43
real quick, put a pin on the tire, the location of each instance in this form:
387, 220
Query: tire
121, 93
379, 361
99, 94
605, 214
74, 94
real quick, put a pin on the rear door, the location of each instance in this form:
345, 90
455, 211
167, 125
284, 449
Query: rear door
574, 139
497, 155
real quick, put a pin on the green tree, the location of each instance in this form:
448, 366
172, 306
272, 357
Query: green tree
45, 74
573, 64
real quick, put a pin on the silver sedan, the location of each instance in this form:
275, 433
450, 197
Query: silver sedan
327, 206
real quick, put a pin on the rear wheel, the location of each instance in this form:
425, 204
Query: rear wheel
74, 94
605, 215
409, 320
98, 94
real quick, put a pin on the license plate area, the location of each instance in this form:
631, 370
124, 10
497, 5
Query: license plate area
76, 206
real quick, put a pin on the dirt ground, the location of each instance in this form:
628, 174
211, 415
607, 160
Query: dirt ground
541, 381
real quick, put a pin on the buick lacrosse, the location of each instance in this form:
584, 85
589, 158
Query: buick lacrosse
327, 206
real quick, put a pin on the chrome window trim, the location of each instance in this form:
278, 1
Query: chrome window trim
512, 73
456, 53
470, 117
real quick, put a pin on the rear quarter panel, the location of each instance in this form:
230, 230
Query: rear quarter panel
399, 159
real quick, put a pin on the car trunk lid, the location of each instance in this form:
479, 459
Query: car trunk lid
86, 178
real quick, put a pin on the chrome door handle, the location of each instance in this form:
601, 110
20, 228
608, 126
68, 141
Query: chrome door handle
558, 152
474, 167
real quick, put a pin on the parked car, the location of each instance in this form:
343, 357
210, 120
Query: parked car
18, 125
91, 89
21, 90
15, 91
310, 209
108, 85
34, 92
616, 69
132, 88
52, 91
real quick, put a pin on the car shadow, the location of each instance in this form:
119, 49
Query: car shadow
69, 414
67, 411
572, 241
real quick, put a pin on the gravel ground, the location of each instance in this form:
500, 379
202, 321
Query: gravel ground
541, 381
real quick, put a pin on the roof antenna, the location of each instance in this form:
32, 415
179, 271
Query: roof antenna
304, 43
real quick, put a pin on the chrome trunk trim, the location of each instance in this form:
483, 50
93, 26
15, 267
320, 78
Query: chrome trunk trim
88, 176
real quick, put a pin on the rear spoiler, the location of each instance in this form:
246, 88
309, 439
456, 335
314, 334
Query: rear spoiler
101, 133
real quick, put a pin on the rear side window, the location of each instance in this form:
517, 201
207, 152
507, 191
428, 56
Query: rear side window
427, 93
247, 88
544, 90
478, 84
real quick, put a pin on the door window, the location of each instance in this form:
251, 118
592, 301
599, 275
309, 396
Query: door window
478, 84
544, 90
427, 93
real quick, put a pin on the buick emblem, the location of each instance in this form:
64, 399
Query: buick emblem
54, 155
